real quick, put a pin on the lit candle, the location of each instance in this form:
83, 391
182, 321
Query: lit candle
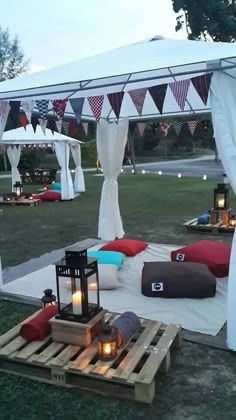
159, 172
76, 302
204, 178
179, 175
221, 203
107, 348
143, 171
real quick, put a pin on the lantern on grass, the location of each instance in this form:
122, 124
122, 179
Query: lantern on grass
18, 189
221, 197
77, 299
107, 343
48, 299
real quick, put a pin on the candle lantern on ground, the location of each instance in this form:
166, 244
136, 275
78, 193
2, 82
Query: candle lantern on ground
233, 220
74, 302
18, 189
48, 299
107, 343
221, 197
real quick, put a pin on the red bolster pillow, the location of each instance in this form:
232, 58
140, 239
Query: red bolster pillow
38, 327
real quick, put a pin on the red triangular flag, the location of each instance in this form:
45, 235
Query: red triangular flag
96, 103
138, 97
158, 94
180, 91
165, 128
72, 128
202, 85
23, 121
60, 106
116, 100
141, 128
192, 126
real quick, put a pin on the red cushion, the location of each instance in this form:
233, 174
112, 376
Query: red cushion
129, 247
214, 254
51, 196
37, 196
38, 327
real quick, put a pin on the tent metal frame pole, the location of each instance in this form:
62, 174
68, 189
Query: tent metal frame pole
166, 115
229, 75
19, 93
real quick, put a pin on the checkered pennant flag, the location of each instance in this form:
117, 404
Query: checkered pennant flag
192, 126
43, 108
96, 103
177, 127
66, 126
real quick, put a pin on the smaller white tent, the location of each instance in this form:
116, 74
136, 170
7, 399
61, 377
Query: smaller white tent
62, 145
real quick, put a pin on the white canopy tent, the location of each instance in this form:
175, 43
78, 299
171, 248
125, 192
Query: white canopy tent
62, 144
143, 65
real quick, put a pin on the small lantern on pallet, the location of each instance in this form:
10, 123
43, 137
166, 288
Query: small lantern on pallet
48, 299
73, 273
18, 189
233, 220
221, 197
107, 343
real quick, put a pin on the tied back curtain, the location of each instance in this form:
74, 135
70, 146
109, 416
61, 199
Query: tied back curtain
13, 154
111, 140
79, 175
223, 104
63, 153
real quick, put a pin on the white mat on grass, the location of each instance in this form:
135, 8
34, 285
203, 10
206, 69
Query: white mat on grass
206, 316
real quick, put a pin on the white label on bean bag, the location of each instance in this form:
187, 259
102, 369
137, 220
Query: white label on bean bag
157, 287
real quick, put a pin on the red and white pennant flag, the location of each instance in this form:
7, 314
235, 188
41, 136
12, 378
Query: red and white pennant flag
192, 126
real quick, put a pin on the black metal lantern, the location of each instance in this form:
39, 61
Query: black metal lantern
48, 299
18, 189
221, 197
77, 287
107, 343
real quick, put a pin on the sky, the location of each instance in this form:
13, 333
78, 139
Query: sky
54, 32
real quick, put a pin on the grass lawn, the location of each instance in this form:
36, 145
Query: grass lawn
201, 381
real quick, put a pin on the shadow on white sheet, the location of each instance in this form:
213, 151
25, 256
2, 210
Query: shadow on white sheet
206, 316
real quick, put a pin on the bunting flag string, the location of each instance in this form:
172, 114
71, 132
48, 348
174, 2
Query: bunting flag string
165, 128
77, 107
141, 128
192, 126
72, 128
138, 98
51, 125
85, 127
42, 106
116, 100
28, 107
15, 109
96, 103
158, 94
177, 127
180, 92
34, 123
202, 85
59, 106
43, 125
23, 121
66, 126
59, 125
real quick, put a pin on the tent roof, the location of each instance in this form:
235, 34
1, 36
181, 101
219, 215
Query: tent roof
144, 64
28, 136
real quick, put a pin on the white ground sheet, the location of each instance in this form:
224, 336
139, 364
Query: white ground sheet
206, 316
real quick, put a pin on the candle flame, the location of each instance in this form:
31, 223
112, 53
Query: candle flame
107, 348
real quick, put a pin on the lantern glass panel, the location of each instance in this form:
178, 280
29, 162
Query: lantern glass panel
221, 197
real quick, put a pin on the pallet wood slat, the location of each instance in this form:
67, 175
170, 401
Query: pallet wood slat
131, 375
216, 228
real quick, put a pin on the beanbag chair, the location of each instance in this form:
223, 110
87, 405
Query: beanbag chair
107, 257
129, 247
56, 186
214, 254
174, 280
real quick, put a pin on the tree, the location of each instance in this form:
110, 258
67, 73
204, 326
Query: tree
215, 19
12, 60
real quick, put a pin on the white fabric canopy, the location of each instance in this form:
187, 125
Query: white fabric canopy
111, 140
63, 153
79, 175
13, 154
28, 136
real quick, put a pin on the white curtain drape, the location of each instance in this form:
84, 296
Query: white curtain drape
111, 140
79, 175
223, 105
13, 154
63, 153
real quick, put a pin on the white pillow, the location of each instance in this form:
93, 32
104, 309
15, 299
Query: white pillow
108, 277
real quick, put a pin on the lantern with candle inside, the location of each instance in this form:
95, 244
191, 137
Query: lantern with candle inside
107, 343
18, 189
221, 197
48, 299
74, 299
232, 220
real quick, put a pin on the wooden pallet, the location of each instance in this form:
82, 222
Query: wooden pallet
131, 375
209, 227
30, 203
